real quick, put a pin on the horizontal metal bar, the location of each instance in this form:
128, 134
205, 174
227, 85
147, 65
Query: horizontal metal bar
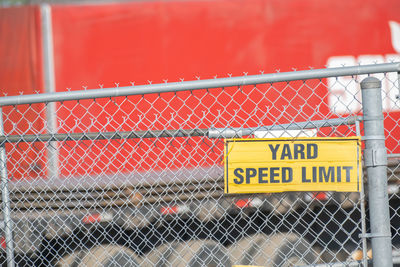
371, 235
239, 132
102, 135
373, 137
200, 84
211, 133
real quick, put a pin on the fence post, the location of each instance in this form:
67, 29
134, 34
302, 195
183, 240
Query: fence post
5, 198
49, 87
375, 160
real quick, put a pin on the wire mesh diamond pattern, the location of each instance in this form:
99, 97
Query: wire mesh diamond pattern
137, 180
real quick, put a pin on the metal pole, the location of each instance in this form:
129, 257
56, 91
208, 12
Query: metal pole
5, 198
375, 159
239, 132
49, 87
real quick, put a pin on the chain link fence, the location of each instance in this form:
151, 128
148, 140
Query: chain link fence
133, 176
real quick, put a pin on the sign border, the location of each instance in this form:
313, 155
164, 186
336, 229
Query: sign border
237, 140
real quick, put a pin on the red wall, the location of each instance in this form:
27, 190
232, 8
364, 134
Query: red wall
20, 50
151, 40
104, 44
140, 41
21, 72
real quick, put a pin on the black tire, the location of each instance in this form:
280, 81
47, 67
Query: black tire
196, 253
103, 256
278, 250
295, 251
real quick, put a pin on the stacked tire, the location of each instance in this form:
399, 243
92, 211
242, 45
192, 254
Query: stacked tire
102, 256
278, 250
196, 253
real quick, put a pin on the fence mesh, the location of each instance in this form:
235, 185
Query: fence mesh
137, 181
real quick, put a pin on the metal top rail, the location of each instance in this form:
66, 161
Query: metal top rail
199, 84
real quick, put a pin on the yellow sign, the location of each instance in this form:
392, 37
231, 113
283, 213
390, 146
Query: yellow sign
288, 164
